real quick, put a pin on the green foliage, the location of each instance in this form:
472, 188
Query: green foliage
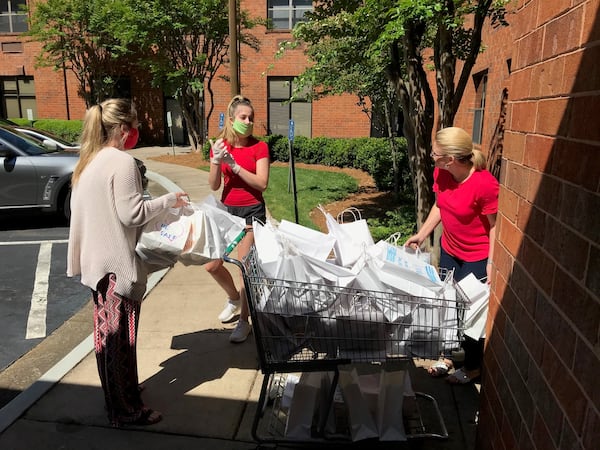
312, 189
369, 154
181, 45
399, 220
380, 51
82, 36
21, 121
373, 155
70, 130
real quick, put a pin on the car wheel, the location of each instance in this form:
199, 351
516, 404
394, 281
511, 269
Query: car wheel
66, 205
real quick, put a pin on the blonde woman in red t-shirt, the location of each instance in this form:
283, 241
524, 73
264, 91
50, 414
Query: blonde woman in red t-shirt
466, 205
242, 162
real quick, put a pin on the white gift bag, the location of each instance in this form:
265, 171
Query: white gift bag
212, 229
269, 249
409, 262
303, 406
478, 294
351, 238
197, 250
362, 422
164, 237
306, 240
418, 283
390, 420
395, 239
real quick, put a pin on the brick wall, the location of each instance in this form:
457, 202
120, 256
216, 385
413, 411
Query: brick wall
542, 359
338, 116
49, 84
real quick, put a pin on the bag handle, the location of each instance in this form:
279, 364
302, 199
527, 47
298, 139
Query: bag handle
355, 212
394, 238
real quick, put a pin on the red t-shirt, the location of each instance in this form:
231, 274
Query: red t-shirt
463, 206
236, 192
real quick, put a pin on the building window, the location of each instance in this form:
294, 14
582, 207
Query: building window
480, 80
285, 14
13, 19
281, 111
17, 95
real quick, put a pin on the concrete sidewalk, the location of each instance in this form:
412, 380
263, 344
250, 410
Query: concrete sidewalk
206, 387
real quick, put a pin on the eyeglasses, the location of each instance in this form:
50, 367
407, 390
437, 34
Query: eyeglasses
435, 155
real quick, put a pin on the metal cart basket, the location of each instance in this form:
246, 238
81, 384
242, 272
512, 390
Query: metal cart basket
347, 329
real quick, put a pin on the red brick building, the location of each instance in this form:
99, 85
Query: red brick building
263, 78
540, 388
533, 100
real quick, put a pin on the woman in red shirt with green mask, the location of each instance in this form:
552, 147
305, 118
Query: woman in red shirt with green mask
242, 163
466, 205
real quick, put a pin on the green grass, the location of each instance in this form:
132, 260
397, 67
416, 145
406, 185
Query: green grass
313, 187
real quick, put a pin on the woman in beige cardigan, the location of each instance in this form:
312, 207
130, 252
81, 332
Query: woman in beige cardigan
107, 214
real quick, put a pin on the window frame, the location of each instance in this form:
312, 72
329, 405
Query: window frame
13, 12
16, 94
289, 80
291, 9
480, 81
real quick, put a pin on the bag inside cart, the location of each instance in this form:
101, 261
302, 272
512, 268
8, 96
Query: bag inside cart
351, 238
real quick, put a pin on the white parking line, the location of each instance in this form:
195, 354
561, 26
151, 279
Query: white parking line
50, 241
36, 322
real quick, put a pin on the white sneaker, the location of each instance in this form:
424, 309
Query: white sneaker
241, 332
232, 308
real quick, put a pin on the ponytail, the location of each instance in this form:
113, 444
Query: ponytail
457, 142
100, 125
92, 139
478, 160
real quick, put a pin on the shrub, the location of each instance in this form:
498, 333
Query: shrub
69, 130
373, 155
399, 220
21, 121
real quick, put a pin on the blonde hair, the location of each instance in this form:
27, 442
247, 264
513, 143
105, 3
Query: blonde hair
101, 125
456, 142
227, 133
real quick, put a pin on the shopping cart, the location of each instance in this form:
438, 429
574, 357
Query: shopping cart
348, 329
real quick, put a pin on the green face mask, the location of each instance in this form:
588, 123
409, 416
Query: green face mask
242, 129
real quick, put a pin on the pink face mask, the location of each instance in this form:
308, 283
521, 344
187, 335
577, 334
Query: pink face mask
132, 139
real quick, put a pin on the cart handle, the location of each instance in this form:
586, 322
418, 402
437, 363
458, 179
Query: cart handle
235, 242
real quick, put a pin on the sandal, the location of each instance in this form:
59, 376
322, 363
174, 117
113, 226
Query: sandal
460, 376
147, 417
440, 368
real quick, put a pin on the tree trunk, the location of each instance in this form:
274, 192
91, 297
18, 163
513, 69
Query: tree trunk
190, 107
417, 103
445, 62
393, 149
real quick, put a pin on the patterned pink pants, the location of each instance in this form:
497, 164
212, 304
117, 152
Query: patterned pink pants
115, 331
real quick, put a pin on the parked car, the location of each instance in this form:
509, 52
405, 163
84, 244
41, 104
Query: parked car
54, 142
49, 140
33, 176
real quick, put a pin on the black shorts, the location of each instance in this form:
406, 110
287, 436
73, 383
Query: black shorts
258, 211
